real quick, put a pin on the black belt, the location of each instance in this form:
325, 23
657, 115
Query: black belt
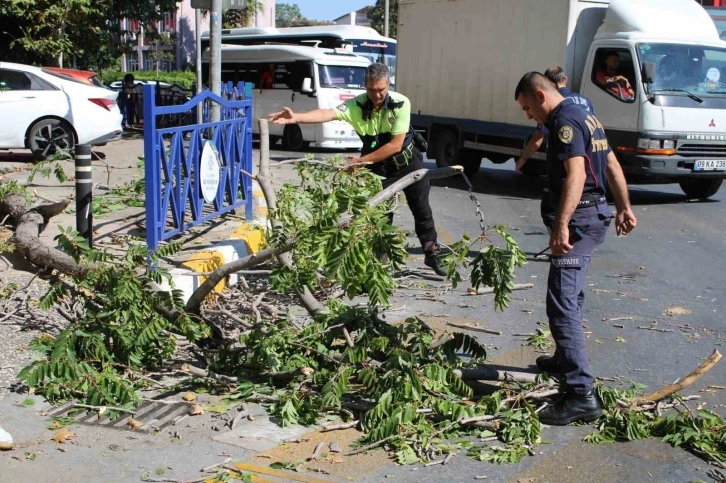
592, 200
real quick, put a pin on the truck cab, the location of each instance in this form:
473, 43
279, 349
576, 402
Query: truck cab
670, 125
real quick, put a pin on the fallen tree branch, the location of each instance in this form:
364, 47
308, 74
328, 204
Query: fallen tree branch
196, 371
262, 256
486, 290
231, 316
337, 427
666, 391
489, 374
29, 224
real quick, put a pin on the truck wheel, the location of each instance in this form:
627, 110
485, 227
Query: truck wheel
292, 138
446, 149
471, 161
700, 188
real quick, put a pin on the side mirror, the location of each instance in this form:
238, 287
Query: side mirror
307, 86
648, 72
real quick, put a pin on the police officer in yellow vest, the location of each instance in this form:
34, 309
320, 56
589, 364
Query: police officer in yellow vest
382, 120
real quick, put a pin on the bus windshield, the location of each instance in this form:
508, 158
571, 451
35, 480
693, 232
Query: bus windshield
690, 68
344, 77
380, 51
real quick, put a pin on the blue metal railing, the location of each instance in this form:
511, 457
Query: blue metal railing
174, 200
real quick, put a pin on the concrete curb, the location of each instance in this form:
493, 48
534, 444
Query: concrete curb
246, 240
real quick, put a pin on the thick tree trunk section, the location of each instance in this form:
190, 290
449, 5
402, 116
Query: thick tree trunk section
29, 224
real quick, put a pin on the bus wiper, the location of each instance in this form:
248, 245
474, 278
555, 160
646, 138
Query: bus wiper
688, 93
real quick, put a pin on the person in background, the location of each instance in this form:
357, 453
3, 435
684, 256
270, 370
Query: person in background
611, 75
128, 100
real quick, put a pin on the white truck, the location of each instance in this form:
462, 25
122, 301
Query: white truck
459, 62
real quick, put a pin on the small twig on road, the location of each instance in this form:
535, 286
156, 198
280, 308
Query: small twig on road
474, 328
316, 454
655, 329
337, 427
105, 408
216, 465
487, 290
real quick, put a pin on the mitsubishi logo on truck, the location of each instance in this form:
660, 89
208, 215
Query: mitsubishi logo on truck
712, 123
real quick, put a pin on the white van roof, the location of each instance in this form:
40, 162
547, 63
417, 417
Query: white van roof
668, 20
287, 53
342, 31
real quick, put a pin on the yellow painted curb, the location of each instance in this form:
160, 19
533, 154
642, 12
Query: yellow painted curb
204, 262
252, 235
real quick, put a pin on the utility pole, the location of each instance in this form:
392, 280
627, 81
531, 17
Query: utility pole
198, 60
385, 18
215, 57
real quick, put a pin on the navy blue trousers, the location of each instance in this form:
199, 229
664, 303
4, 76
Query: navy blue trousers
566, 296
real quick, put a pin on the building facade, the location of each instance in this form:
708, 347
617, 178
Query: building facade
357, 17
177, 47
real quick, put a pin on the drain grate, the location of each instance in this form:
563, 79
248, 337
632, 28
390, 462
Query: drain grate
155, 416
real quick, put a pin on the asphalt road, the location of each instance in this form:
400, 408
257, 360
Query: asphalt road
673, 259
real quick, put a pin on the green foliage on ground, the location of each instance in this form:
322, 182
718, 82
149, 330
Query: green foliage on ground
119, 330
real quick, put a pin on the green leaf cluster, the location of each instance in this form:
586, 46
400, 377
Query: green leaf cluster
121, 328
491, 267
349, 255
703, 433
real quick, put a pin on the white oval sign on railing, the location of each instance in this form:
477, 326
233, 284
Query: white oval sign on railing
209, 166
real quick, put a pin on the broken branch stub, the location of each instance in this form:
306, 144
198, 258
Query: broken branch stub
666, 391
29, 224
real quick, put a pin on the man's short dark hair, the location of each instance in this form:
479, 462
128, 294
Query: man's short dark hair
376, 72
532, 82
611, 54
556, 74
128, 78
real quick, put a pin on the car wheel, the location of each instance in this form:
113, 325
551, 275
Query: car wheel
292, 138
700, 188
49, 137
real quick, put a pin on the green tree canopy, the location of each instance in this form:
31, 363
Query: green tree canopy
376, 16
39, 31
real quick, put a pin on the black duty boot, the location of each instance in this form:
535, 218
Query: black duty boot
573, 407
549, 364
431, 257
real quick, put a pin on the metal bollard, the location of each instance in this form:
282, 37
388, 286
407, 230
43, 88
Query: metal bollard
84, 193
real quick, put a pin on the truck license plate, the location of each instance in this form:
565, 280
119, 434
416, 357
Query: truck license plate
709, 165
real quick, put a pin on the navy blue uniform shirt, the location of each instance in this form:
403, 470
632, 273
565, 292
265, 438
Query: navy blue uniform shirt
574, 97
575, 132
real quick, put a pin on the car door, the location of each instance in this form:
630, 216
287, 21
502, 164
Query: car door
25, 97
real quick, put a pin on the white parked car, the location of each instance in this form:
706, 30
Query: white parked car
47, 113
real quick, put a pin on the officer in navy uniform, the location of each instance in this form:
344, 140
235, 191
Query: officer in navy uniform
580, 166
391, 148
557, 75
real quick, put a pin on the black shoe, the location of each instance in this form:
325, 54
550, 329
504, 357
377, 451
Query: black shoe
433, 262
549, 364
573, 407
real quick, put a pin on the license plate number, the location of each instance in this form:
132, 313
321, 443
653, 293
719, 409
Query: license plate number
709, 165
